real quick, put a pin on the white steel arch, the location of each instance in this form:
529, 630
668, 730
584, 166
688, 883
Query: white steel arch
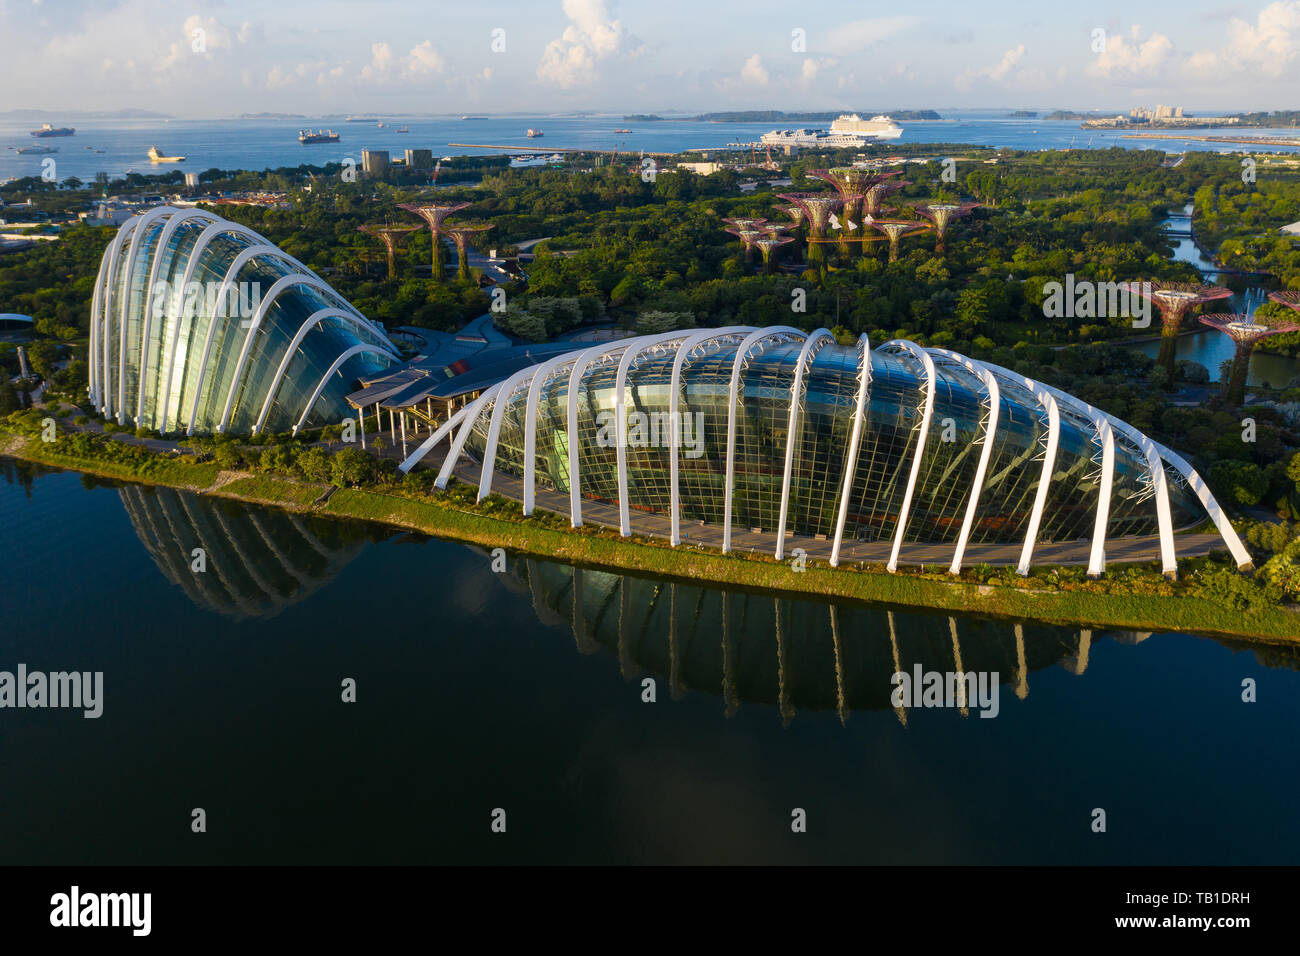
439, 434
499, 409
142, 223
575, 380
778, 333
96, 316
471, 413
179, 217
674, 399
312, 321
855, 439
535, 387
107, 331
324, 380
1106, 436
815, 341
1164, 515
630, 355
1211, 505
285, 282
926, 415
986, 452
1048, 403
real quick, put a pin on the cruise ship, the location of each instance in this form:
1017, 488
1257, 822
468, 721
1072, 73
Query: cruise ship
849, 130
48, 130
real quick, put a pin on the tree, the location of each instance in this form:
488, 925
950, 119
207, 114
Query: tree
351, 467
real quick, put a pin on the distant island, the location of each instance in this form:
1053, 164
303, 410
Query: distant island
1023, 114
643, 118
26, 114
1065, 115
778, 116
1287, 118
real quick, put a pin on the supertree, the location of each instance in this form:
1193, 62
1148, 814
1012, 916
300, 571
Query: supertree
462, 234
876, 193
768, 245
852, 183
747, 236
1246, 332
817, 209
391, 237
1174, 300
434, 214
941, 214
896, 229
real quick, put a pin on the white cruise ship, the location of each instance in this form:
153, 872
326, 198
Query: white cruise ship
848, 131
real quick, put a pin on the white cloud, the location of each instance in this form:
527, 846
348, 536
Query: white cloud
861, 35
1133, 58
754, 72
425, 59
1002, 71
1268, 46
592, 35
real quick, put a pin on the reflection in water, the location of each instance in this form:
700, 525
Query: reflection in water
792, 654
259, 561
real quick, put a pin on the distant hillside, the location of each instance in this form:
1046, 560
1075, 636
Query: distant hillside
778, 116
1024, 114
44, 115
1066, 115
643, 118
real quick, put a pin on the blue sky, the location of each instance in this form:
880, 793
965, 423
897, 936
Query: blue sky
224, 58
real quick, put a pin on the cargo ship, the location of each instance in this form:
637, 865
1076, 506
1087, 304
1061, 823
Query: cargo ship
534, 133
38, 150
307, 136
156, 156
48, 130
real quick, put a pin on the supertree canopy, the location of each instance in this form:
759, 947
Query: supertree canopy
896, 229
461, 234
876, 193
770, 244
1175, 300
1246, 332
434, 214
941, 214
817, 210
391, 237
853, 185
748, 235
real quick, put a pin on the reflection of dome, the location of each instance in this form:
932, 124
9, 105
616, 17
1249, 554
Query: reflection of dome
199, 324
258, 560
794, 654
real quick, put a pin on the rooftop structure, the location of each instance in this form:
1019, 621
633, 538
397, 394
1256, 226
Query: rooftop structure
1246, 332
199, 324
778, 436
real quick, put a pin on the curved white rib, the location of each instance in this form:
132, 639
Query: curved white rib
620, 418
427, 445
990, 432
180, 216
127, 230
313, 320
471, 413
781, 332
1164, 515
324, 380
494, 426
575, 380
1048, 403
1211, 505
855, 439
220, 309
284, 282
1106, 435
684, 350
145, 220
539, 381
924, 433
96, 317
816, 340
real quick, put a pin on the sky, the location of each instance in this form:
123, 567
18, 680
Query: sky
213, 59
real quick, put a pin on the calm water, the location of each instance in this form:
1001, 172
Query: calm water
522, 691
269, 144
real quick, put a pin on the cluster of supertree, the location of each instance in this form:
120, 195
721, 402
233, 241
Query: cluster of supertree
1247, 331
435, 216
1175, 300
851, 217
766, 236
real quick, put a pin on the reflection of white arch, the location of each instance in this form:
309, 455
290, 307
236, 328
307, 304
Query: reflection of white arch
324, 380
499, 409
926, 415
990, 432
1048, 404
575, 381
855, 439
806, 356
630, 355
285, 282
776, 333
674, 400
535, 387
142, 222
312, 321
160, 247
470, 413
438, 435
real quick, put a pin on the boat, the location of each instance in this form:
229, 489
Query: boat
360, 119
534, 133
48, 130
307, 136
622, 131
848, 131
473, 117
402, 129
156, 156
379, 125
99, 150
37, 150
